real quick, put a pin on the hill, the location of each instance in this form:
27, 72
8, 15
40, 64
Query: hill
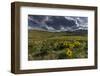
42, 35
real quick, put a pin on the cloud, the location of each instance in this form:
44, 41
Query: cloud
57, 23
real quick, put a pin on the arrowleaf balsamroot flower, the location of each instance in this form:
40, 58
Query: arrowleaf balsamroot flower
69, 52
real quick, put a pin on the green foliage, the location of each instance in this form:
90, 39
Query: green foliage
49, 46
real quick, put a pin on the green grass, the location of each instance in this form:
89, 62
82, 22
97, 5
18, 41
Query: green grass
44, 45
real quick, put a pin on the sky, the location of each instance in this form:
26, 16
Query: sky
57, 23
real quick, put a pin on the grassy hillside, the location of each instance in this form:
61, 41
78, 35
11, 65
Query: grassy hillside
42, 35
43, 45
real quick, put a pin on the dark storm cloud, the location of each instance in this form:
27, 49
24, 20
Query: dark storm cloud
54, 23
59, 21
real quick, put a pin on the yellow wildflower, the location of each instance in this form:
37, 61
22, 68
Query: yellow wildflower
71, 45
77, 43
69, 52
66, 44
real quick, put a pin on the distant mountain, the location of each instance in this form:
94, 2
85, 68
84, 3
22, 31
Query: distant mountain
57, 23
77, 32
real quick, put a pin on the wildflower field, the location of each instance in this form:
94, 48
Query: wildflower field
44, 45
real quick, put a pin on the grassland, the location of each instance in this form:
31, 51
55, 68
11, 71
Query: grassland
43, 45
